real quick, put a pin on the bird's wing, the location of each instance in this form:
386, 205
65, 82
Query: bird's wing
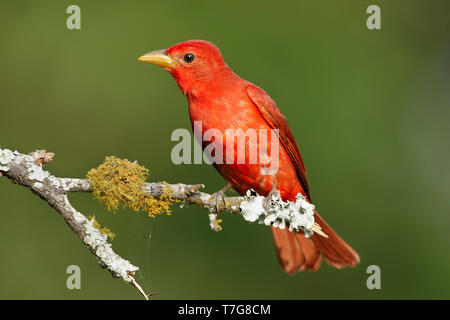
276, 120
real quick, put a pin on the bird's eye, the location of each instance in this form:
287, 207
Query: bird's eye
188, 57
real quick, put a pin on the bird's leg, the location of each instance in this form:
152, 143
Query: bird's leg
274, 192
219, 196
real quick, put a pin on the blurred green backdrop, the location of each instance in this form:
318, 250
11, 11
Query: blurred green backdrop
369, 110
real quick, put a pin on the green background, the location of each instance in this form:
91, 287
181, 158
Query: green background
369, 110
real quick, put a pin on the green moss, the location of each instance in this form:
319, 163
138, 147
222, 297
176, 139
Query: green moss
120, 182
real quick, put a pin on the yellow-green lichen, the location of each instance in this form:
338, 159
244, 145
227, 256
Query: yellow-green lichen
105, 230
121, 182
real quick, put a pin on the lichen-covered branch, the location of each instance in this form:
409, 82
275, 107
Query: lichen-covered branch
27, 170
296, 215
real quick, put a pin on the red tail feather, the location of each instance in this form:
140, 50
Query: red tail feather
297, 253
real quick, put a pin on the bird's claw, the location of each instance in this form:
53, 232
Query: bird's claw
268, 199
219, 197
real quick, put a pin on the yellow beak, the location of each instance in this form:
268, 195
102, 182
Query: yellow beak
159, 58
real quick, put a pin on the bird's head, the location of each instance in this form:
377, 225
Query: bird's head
194, 64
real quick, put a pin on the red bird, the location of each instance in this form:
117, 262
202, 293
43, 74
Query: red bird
222, 100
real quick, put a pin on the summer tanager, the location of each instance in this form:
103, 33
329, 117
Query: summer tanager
222, 100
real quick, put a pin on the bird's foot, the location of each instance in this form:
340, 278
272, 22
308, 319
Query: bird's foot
268, 199
219, 198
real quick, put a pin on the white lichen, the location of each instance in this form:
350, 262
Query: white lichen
65, 184
6, 157
214, 223
36, 173
78, 217
37, 186
117, 265
298, 215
